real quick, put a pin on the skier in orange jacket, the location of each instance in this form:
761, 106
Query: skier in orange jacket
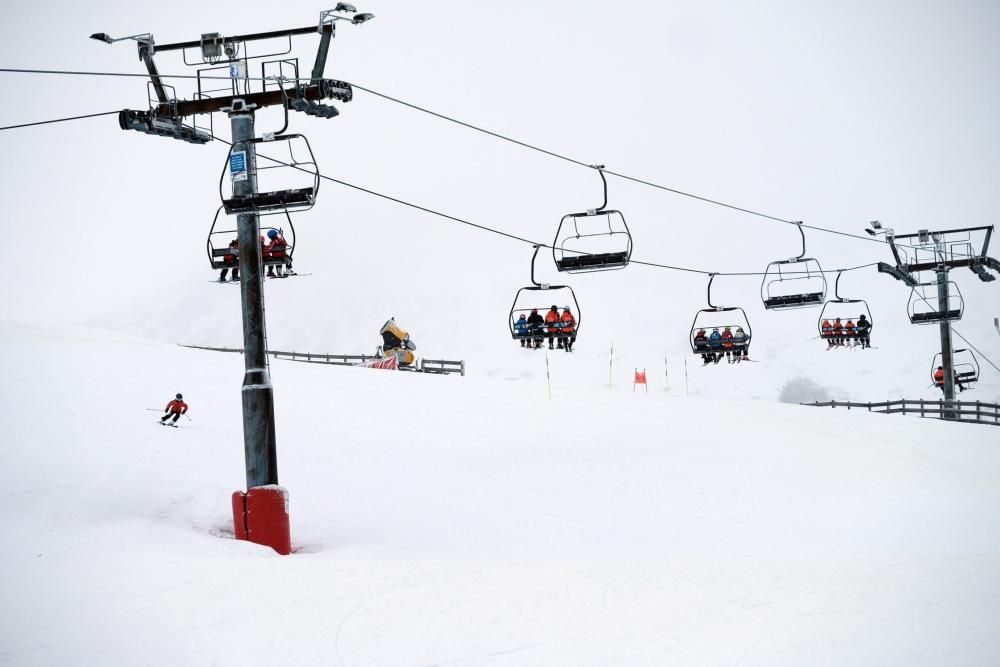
175, 409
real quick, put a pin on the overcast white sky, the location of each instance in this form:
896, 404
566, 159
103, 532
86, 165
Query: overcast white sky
833, 113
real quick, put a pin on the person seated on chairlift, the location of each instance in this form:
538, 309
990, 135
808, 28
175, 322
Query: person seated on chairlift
553, 326
535, 322
521, 330
838, 332
231, 260
275, 249
715, 343
849, 331
727, 343
939, 379
826, 331
863, 328
740, 348
568, 329
701, 346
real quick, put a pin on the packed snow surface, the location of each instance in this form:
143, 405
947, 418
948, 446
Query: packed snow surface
476, 521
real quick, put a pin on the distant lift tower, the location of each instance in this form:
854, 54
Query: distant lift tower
939, 302
224, 83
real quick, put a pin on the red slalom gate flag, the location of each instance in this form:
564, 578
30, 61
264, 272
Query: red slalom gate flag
640, 378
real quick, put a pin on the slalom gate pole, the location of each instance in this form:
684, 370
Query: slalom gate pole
666, 374
548, 379
611, 361
153, 409
686, 392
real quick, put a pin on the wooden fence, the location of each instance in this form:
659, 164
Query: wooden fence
965, 411
437, 366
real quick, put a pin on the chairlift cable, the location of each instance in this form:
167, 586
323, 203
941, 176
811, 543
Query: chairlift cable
471, 126
514, 236
59, 120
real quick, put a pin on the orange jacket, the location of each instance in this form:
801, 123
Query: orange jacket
552, 319
939, 377
568, 321
177, 406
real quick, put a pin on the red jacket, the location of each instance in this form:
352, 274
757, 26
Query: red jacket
231, 259
276, 248
568, 321
939, 377
177, 405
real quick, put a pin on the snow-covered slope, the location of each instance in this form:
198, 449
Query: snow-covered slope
445, 520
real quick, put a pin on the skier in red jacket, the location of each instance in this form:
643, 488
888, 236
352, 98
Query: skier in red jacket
175, 409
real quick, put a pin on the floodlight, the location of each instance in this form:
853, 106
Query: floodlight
344, 7
102, 37
361, 18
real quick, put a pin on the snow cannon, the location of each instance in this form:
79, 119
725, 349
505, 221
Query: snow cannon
261, 516
396, 342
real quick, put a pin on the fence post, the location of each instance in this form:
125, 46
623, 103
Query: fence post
921, 407
869, 406
978, 410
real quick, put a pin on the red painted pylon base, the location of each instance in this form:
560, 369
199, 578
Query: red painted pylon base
261, 516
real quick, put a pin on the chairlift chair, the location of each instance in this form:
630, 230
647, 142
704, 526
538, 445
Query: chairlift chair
846, 310
594, 240
719, 317
286, 182
964, 364
923, 306
221, 255
797, 282
540, 296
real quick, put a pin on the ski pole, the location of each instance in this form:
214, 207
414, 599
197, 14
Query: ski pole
153, 409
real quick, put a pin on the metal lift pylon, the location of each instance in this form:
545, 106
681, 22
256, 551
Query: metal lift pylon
260, 515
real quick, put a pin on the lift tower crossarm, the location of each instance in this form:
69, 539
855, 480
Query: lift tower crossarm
324, 89
257, 36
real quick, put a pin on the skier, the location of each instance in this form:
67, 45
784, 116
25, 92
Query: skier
727, 343
568, 327
740, 348
838, 332
175, 409
552, 320
276, 249
715, 343
864, 329
535, 322
849, 332
826, 331
231, 260
701, 346
521, 330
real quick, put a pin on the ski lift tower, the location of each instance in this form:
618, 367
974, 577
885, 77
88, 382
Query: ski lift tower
225, 84
938, 251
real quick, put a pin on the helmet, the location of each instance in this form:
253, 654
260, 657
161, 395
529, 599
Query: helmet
728, 328
534, 311
522, 316
179, 397
701, 331
554, 308
271, 233
565, 307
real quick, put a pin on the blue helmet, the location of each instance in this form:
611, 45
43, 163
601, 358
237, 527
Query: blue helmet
271, 233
